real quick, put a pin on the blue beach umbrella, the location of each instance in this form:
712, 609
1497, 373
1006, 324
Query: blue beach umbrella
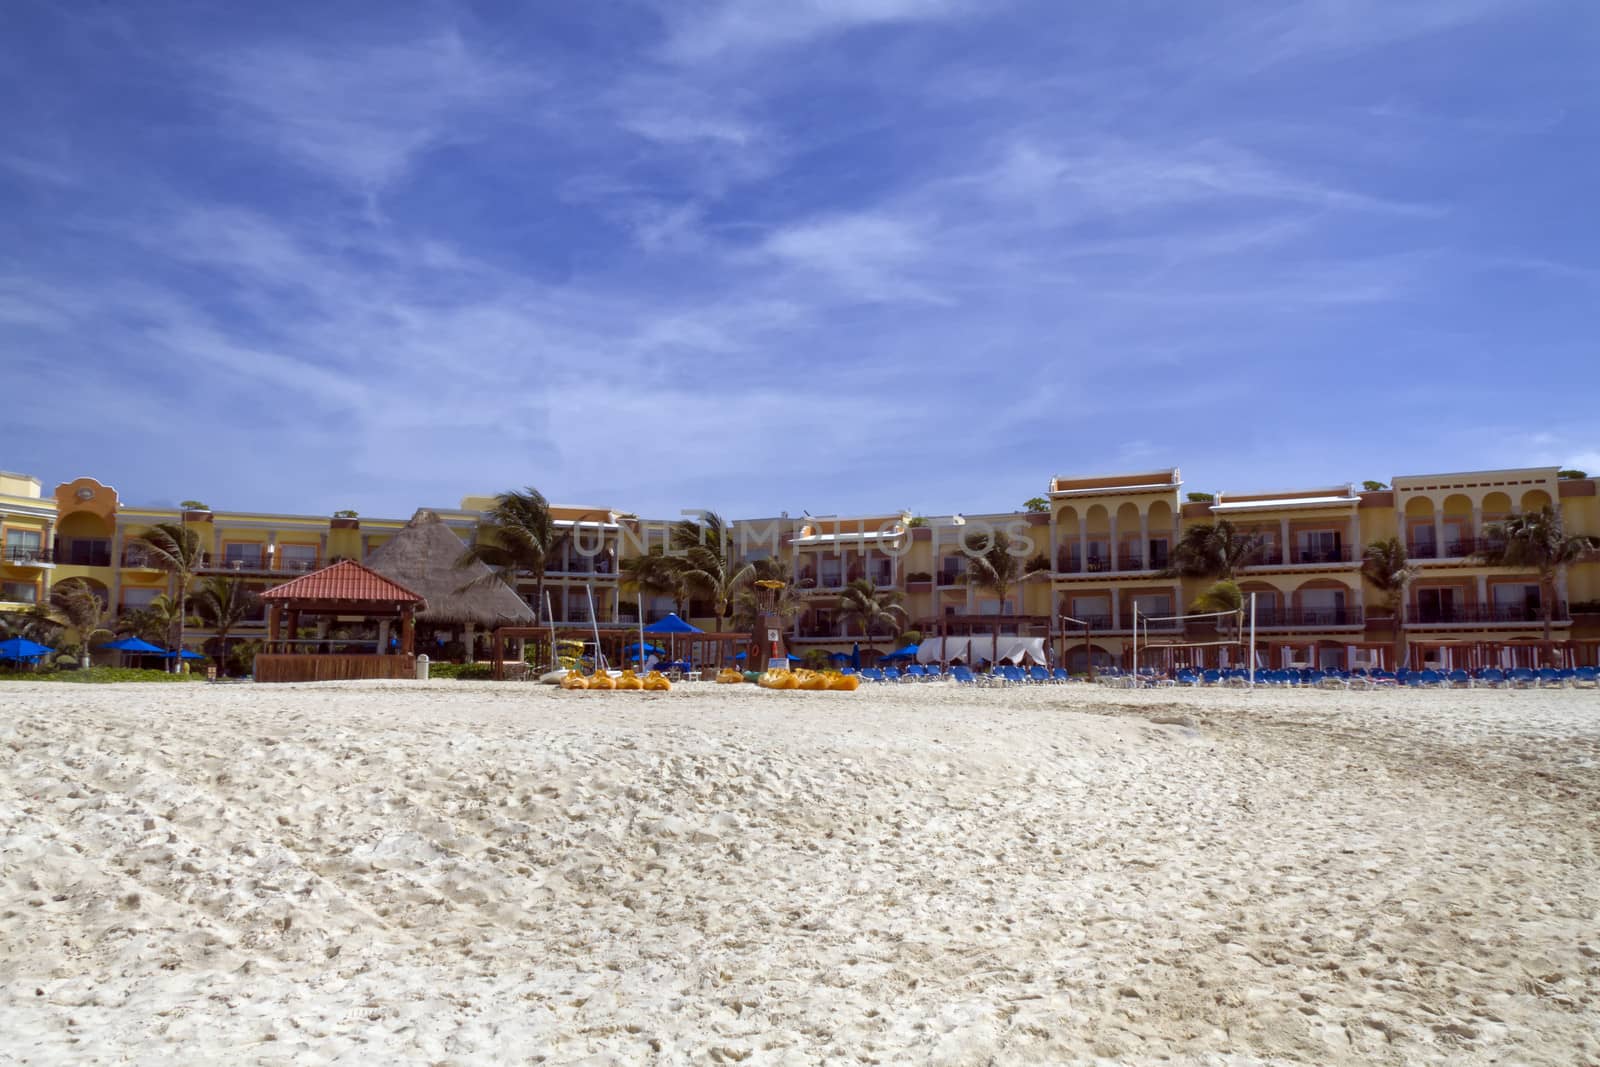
185, 653
135, 645
20, 648
855, 655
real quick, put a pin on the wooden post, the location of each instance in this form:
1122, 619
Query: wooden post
408, 630
274, 618
294, 629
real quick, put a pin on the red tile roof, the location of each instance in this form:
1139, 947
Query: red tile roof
345, 580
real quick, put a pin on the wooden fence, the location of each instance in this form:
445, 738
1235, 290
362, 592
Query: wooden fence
287, 667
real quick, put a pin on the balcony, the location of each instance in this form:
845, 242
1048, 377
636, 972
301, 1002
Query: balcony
1272, 556
1457, 548
1482, 614
21, 556
212, 564
1305, 618
72, 554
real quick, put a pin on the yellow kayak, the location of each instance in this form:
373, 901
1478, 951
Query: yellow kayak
729, 676
601, 680
778, 679
842, 683
656, 682
574, 680
629, 680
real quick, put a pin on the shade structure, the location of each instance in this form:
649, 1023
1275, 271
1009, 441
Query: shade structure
184, 653
20, 648
740, 655
672, 625
839, 657
654, 650
908, 652
855, 655
134, 644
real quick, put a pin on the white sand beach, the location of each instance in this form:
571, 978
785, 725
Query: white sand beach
464, 873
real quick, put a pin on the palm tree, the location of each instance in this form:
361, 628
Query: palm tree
76, 604
784, 601
705, 567
1223, 596
519, 536
154, 622
992, 567
176, 549
864, 602
1535, 541
657, 574
224, 603
1213, 551
1387, 567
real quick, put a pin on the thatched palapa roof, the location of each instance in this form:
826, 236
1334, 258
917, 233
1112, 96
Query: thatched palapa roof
424, 556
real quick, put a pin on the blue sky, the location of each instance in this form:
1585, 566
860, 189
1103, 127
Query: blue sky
842, 255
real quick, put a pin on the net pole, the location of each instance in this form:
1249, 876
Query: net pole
1135, 644
1252, 652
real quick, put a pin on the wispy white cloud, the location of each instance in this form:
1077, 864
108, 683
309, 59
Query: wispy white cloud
362, 112
703, 30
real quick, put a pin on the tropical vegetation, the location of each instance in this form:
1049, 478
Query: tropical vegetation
1388, 569
1535, 541
223, 603
1215, 551
518, 537
871, 607
176, 549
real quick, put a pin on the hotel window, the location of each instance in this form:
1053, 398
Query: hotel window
1157, 604
87, 552
299, 558
1099, 558
1436, 605
951, 569
832, 572
1094, 610
1158, 554
244, 555
19, 592
1320, 546
137, 599
1322, 606
1515, 602
23, 544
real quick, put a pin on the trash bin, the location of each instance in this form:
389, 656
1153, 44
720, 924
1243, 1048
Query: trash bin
422, 668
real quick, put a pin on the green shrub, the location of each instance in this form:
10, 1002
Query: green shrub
99, 674
465, 672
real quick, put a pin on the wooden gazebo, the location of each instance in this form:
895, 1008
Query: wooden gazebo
346, 589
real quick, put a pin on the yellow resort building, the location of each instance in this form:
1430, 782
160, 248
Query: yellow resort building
1095, 559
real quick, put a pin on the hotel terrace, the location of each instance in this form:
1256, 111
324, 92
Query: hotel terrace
1098, 553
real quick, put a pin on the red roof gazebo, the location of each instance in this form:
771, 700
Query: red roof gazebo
342, 590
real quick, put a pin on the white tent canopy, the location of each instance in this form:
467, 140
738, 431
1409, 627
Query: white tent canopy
942, 649
1010, 649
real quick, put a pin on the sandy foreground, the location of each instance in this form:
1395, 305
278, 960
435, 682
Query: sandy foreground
467, 873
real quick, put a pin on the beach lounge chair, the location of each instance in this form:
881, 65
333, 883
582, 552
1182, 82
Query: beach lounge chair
891, 674
1459, 679
1060, 676
871, 674
963, 676
1431, 678
1211, 677
1521, 677
1038, 674
1549, 677
1586, 676
914, 673
1490, 677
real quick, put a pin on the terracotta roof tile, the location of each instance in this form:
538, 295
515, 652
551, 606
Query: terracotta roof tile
345, 580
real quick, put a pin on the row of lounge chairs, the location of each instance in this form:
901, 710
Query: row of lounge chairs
1488, 678
1003, 675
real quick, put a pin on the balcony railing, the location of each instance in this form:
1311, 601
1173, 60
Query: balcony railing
1273, 556
1484, 613
211, 564
1456, 548
23, 556
1307, 617
83, 556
